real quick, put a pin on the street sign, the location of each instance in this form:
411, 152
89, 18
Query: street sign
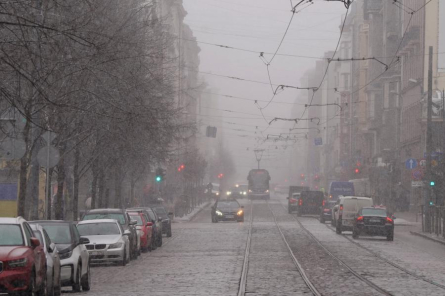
49, 158
434, 163
434, 154
318, 141
422, 162
416, 183
12, 149
417, 175
411, 163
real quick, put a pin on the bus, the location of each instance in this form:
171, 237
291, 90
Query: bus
340, 188
258, 186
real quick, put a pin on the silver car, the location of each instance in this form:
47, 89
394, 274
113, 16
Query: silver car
108, 241
54, 281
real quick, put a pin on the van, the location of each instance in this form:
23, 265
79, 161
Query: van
345, 210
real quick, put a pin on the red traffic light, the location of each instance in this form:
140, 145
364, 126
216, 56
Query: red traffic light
302, 176
357, 171
220, 176
181, 167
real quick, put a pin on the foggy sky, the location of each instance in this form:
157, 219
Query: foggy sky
259, 25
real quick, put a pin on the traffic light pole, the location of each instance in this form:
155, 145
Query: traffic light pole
429, 142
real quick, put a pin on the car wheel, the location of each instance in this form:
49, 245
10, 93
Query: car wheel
355, 233
124, 260
86, 280
154, 243
169, 232
160, 240
77, 279
289, 210
32, 285
322, 220
332, 222
390, 237
298, 214
52, 290
338, 227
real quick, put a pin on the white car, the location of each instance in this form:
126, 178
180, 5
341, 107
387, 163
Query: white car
108, 241
343, 213
74, 257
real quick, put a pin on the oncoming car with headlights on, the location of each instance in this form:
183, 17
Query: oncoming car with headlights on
108, 241
227, 210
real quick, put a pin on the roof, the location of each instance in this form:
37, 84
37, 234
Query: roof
105, 211
50, 221
97, 221
10, 220
355, 197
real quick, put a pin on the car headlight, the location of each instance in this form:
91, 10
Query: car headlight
250, 190
219, 213
65, 255
267, 191
217, 193
228, 192
244, 193
240, 212
115, 246
17, 263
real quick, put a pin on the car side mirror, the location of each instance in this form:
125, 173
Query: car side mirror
160, 219
149, 224
84, 241
51, 248
127, 232
35, 242
133, 222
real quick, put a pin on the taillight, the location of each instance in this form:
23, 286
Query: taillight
324, 202
326, 210
360, 218
300, 202
292, 200
341, 208
389, 220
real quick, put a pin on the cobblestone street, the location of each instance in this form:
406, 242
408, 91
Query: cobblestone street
203, 258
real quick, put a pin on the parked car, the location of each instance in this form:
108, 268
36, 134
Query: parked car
166, 220
156, 227
124, 220
373, 222
292, 202
144, 227
53, 267
227, 210
326, 210
22, 259
345, 210
74, 257
108, 241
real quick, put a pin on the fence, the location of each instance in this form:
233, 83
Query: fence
433, 220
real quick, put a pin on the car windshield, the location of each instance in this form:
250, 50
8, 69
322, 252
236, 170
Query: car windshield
374, 212
137, 218
58, 233
227, 204
116, 216
161, 211
11, 235
330, 204
101, 228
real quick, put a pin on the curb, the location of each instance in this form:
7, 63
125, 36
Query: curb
194, 215
428, 237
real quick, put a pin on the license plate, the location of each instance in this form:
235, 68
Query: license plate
374, 220
230, 216
96, 253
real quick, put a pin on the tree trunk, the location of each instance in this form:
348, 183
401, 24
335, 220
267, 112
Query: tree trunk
49, 194
59, 203
21, 200
101, 187
117, 189
76, 184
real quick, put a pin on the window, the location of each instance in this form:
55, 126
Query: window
116, 216
441, 34
28, 233
11, 235
59, 233
108, 228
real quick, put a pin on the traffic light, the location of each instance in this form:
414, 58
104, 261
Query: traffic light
220, 176
432, 183
316, 178
302, 177
357, 171
158, 178
181, 167
159, 175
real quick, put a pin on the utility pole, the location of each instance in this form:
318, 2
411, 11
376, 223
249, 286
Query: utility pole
429, 142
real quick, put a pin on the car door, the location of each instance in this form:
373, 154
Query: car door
54, 254
84, 255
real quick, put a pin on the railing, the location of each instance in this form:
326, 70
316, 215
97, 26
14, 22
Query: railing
433, 220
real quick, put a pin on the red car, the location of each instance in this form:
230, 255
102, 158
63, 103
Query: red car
145, 230
22, 259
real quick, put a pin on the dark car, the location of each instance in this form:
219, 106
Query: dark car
73, 255
326, 210
239, 191
227, 210
310, 203
166, 221
373, 222
156, 227
124, 220
22, 259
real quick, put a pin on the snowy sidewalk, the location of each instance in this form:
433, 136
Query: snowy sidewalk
192, 214
408, 219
